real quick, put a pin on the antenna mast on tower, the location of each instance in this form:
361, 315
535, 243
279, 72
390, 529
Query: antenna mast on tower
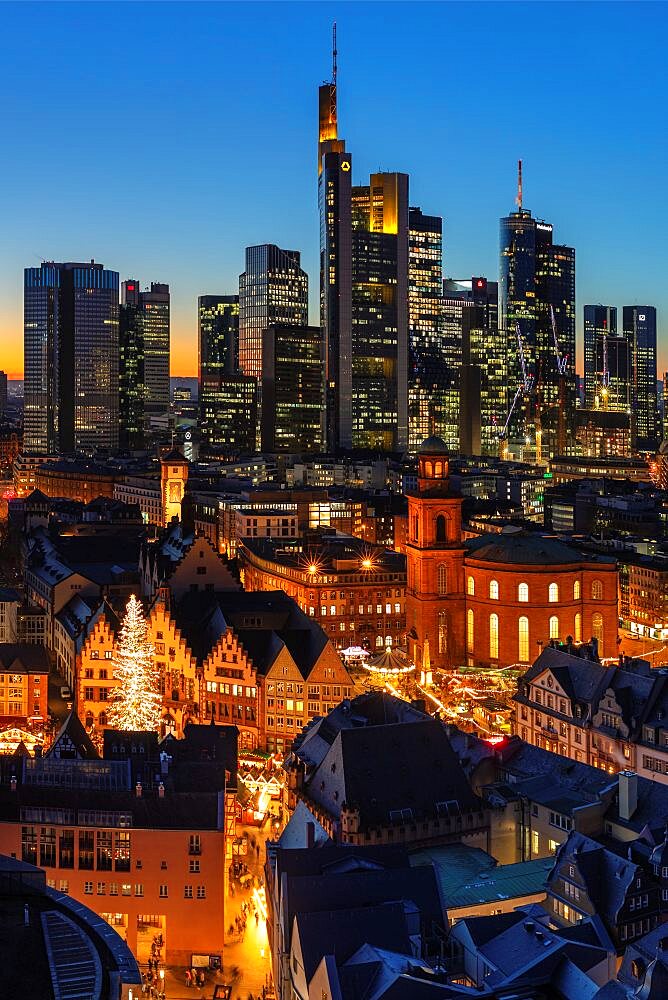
518, 199
334, 53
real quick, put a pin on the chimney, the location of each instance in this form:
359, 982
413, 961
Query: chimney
12, 782
310, 834
161, 791
628, 794
138, 789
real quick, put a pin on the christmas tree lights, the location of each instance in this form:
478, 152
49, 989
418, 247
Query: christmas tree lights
135, 701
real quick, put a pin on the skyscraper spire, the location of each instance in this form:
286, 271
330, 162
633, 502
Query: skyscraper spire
334, 53
518, 199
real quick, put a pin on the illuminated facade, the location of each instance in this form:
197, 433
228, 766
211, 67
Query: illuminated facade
479, 351
132, 390
227, 399
173, 479
292, 389
600, 328
432, 371
363, 296
536, 280
155, 306
71, 358
640, 332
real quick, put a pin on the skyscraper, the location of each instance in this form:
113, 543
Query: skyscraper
607, 361
3, 394
473, 304
536, 282
227, 399
144, 338
71, 358
363, 294
272, 289
292, 389
431, 372
131, 367
155, 307
640, 330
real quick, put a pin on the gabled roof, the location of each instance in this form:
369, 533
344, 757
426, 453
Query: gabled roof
582, 680
24, 657
72, 739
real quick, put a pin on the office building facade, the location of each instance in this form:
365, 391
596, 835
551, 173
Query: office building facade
71, 358
131, 367
639, 324
144, 343
363, 295
600, 322
537, 282
429, 374
292, 417
218, 356
155, 309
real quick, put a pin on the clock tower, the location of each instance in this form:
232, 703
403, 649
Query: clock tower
435, 599
173, 477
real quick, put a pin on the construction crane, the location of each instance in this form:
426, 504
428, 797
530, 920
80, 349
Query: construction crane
562, 364
524, 387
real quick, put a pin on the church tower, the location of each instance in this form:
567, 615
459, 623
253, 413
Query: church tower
173, 478
435, 600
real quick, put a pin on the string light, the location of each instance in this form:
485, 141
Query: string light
136, 700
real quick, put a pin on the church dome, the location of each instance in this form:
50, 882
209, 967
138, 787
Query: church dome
433, 446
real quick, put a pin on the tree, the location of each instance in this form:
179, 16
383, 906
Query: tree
136, 702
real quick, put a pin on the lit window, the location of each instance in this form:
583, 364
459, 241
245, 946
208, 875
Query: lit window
576, 590
597, 631
597, 590
493, 590
470, 587
553, 593
578, 627
470, 621
523, 593
554, 627
523, 639
442, 580
493, 637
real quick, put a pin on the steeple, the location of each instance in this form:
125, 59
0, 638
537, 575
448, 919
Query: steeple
327, 114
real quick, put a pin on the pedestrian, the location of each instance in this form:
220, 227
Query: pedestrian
188, 977
201, 980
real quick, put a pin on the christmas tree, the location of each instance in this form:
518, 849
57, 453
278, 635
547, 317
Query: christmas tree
136, 701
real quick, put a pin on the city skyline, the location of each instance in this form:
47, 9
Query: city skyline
184, 212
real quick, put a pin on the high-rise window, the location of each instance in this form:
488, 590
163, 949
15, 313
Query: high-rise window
523, 639
493, 637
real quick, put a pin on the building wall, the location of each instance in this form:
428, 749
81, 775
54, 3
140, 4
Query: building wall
157, 858
94, 676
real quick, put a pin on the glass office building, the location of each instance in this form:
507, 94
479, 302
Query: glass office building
218, 354
536, 279
639, 324
71, 358
292, 417
599, 321
155, 306
131, 367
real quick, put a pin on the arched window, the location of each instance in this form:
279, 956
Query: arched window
441, 535
493, 637
554, 627
553, 593
523, 639
388, 640
470, 622
576, 590
438, 470
470, 587
442, 579
493, 590
597, 590
523, 593
379, 641
442, 632
578, 627
597, 631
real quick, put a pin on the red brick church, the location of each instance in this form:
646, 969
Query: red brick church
497, 599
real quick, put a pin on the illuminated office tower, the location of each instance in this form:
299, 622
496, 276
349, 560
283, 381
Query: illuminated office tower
3, 394
363, 294
472, 305
71, 358
639, 324
227, 399
155, 309
607, 361
131, 367
380, 313
272, 289
599, 321
536, 280
429, 376
292, 417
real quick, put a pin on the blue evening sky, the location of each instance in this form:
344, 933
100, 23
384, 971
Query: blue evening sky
162, 138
